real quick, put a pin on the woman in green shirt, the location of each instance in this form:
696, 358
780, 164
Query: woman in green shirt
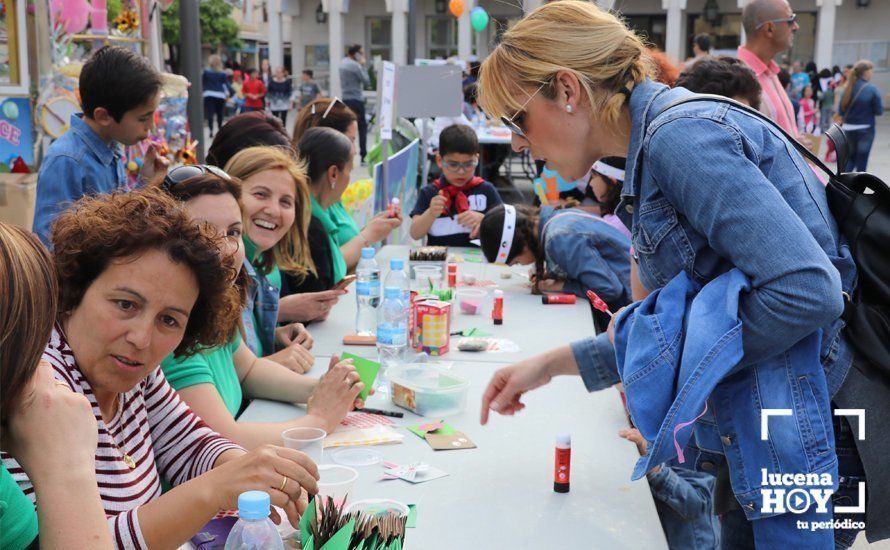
213, 383
47, 428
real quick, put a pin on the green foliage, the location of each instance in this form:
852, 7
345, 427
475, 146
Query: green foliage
217, 26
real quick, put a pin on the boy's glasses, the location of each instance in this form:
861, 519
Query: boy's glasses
458, 167
790, 20
509, 122
188, 171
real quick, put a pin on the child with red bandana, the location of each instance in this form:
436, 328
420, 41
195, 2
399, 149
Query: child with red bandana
449, 211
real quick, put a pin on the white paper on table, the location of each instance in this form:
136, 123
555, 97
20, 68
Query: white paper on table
417, 472
376, 435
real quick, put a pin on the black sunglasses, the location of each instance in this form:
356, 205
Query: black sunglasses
186, 172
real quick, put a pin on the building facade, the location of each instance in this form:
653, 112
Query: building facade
314, 34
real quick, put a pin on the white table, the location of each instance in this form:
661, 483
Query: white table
532, 326
500, 495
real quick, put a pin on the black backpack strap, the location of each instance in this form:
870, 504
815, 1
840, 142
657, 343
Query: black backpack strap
841, 146
807, 154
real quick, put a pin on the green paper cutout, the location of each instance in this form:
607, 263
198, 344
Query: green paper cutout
474, 332
412, 516
361, 545
446, 429
305, 521
366, 369
340, 541
309, 544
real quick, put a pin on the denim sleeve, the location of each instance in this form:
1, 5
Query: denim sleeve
596, 361
687, 492
877, 104
702, 169
579, 256
59, 184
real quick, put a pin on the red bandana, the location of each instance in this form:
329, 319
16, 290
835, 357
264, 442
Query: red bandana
455, 197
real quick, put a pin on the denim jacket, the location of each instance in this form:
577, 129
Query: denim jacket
684, 502
678, 352
79, 163
588, 253
260, 315
709, 187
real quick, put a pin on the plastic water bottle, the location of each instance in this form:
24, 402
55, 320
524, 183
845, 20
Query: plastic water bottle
398, 278
392, 328
254, 529
367, 293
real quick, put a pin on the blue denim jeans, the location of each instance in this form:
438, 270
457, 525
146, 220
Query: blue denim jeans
850, 473
860, 147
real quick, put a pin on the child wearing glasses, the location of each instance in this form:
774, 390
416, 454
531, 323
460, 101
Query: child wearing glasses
449, 210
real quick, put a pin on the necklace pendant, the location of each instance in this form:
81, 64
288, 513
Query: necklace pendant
128, 460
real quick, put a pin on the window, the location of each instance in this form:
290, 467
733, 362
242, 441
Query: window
441, 37
651, 27
849, 52
13, 48
318, 59
378, 31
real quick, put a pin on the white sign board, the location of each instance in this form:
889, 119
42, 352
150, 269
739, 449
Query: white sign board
387, 98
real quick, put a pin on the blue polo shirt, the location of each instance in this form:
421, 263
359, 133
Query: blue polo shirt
78, 163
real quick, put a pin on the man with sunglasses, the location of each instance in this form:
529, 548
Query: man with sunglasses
770, 26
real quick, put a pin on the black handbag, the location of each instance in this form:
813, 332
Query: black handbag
860, 203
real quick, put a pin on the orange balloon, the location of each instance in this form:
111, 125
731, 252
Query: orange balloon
456, 7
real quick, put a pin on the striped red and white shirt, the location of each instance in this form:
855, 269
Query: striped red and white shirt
153, 426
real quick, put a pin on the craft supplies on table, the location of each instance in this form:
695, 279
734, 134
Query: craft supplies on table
427, 390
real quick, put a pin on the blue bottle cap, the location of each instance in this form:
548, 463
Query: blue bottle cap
368, 252
254, 505
392, 292
397, 264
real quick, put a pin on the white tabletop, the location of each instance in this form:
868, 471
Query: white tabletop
500, 495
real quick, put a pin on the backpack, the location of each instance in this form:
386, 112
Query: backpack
860, 204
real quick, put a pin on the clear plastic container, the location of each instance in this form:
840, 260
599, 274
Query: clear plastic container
472, 301
427, 277
254, 530
336, 482
379, 507
427, 390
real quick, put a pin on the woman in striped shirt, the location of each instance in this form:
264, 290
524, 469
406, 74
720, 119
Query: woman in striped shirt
138, 280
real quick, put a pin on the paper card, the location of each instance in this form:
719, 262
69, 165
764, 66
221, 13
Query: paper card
340, 541
417, 472
305, 521
309, 544
440, 427
447, 442
367, 370
412, 516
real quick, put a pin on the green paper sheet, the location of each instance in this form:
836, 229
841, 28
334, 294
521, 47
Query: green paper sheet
474, 332
309, 544
412, 516
340, 541
367, 370
446, 429
307, 519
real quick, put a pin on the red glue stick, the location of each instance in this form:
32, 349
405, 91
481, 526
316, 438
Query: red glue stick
452, 275
497, 312
562, 467
558, 299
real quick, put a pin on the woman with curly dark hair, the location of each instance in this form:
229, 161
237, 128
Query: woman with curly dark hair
138, 280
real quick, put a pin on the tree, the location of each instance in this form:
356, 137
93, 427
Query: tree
217, 27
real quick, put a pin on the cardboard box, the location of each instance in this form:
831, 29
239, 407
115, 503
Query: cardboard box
430, 326
18, 193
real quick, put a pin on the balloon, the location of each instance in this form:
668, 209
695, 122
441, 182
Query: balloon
10, 110
479, 18
72, 15
456, 7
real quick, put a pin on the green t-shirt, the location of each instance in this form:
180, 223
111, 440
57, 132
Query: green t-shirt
347, 229
215, 366
18, 520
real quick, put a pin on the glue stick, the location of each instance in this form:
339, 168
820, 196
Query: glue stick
563, 463
452, 275
497, 312
394, 208
558, 299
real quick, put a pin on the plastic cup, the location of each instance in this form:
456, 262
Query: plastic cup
307, 440
428, 277
336, 482
472, 301
379, 507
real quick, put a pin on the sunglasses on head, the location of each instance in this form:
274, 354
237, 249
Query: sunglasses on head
511, 123
790, 20
188, 171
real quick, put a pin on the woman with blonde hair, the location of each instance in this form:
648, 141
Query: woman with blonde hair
710, 188
217, 90
47, 428
276, 213
860, 104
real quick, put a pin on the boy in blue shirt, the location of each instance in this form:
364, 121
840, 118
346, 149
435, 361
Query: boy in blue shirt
119, 93
450, 210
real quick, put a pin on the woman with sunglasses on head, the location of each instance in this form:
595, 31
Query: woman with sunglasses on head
214, 382
257, 130
333, 113
713, 195
47, 428
139, 280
